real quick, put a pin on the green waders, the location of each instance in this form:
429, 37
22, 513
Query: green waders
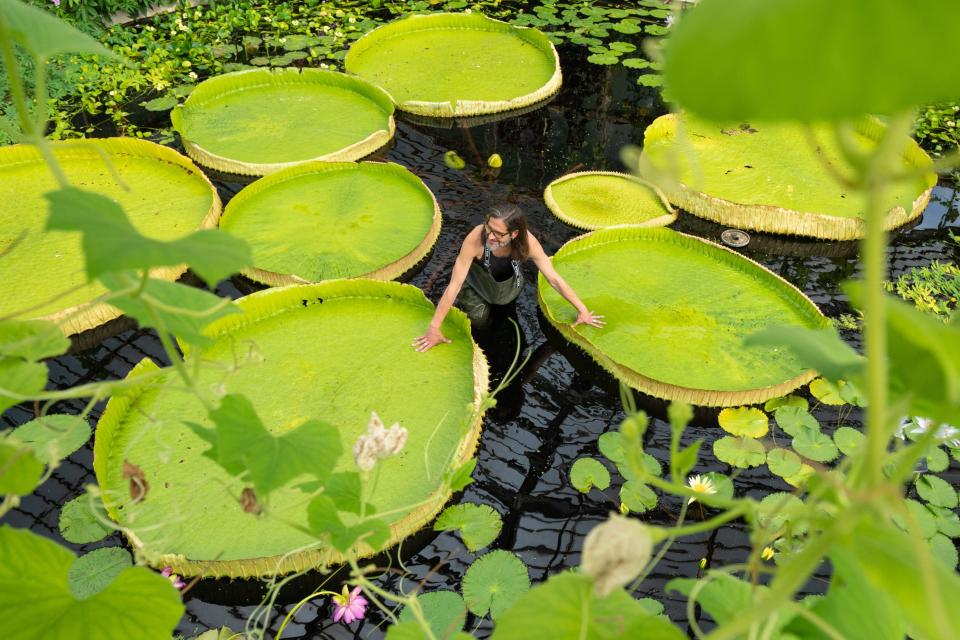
481, 291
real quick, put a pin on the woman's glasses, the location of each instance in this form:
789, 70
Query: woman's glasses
499, 235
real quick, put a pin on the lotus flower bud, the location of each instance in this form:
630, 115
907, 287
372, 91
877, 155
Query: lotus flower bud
453, 160
633, 427
615, 552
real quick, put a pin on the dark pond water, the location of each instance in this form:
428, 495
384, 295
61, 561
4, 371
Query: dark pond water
558, 411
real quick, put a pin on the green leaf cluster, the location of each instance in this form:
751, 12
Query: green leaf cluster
634, 464
243, 446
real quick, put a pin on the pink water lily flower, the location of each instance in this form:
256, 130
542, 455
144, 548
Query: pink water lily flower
173, 578
349, 606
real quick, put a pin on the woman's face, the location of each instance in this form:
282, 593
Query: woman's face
498, 235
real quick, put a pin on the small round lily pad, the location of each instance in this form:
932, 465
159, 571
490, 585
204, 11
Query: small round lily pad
597, 199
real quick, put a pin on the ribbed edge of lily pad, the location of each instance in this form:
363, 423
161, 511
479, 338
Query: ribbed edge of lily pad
773, 219
387, 272
256, 307
84, 317
474, 121
238, 81
657, 388
471, 21
557, 210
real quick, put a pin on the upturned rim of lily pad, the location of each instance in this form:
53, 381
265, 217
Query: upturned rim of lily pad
784, 221
264, 305
453, 20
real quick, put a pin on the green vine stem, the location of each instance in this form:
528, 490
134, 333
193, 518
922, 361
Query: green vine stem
662, 551
875, 178
296, 607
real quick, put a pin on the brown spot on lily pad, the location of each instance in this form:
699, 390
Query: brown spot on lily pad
138, 481
248, 501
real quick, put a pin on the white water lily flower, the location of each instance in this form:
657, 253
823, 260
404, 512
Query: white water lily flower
615, 552
379, 442
700, 484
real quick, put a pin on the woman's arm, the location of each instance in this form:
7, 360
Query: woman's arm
542, 260
468, 251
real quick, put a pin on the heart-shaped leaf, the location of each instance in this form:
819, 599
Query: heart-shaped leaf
587, 473
815, 445
739, 452
478, 524
744, 421
783, 462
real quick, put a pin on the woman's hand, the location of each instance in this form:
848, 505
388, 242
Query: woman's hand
430, 339
590, 318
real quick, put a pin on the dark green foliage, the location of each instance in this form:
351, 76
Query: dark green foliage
175, 49
937, 129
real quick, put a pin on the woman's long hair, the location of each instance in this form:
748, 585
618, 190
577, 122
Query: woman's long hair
516, 220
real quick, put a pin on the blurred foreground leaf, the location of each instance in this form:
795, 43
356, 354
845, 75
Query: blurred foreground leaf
324, 519
925, 590
445, 611
565, 608
19, 470
54, 436
36, 601
812, 60
182, 309
44, 35
111, 243
241, 444
31, 339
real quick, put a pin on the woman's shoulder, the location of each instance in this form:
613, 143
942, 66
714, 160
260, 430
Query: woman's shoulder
473, 241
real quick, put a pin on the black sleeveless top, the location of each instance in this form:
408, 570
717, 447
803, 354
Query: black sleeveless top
501, 268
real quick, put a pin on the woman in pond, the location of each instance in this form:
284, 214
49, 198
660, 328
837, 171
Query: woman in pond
489, 266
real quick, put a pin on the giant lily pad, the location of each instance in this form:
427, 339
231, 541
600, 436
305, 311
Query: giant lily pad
449, 65
259, 121
325, 220
597, 199
777, 177
677, 311
43, 271
333, 351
